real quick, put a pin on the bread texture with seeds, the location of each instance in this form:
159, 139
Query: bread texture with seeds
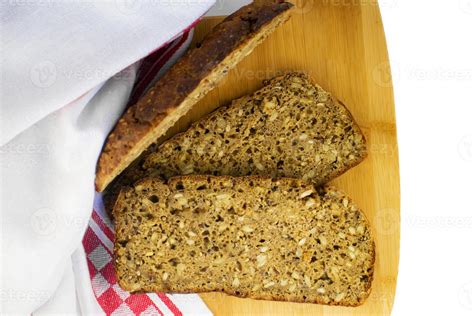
192, 77
289, 128
256, 237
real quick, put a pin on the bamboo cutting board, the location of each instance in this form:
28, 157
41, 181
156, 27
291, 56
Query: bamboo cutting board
341, 45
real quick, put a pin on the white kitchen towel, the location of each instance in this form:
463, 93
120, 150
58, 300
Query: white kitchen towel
54, 51
55, 56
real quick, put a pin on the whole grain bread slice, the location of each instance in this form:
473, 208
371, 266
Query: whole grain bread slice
289, 128
277, 239
186, 83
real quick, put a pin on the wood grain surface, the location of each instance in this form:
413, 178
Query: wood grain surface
341, 45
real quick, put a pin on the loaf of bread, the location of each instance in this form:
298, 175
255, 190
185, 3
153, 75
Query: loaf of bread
200, 69
289, 128
277, 239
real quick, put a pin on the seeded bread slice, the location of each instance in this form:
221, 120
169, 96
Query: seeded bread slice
250, 237
187, 82
289, 128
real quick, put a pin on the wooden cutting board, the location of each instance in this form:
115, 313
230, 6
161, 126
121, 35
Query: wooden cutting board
341, 44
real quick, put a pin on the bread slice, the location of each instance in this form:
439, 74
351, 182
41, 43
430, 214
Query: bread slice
186, 83
289, 128
250, 236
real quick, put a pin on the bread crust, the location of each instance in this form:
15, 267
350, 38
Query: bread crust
185, 83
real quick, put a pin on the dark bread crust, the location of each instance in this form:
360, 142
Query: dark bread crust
135, 130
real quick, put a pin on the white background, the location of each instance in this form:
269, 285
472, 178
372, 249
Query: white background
430, 43
431, 50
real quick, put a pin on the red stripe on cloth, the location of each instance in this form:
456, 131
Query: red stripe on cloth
146, 64
186, 30
138, 303
109, 301
90, 241
157, 308
192, 25
136, 94
155, 67
146, 72
162, 61
173, 308
107, 231
108, 272
104, 217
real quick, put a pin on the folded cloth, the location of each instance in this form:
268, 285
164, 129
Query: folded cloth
54, 118
55, 51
